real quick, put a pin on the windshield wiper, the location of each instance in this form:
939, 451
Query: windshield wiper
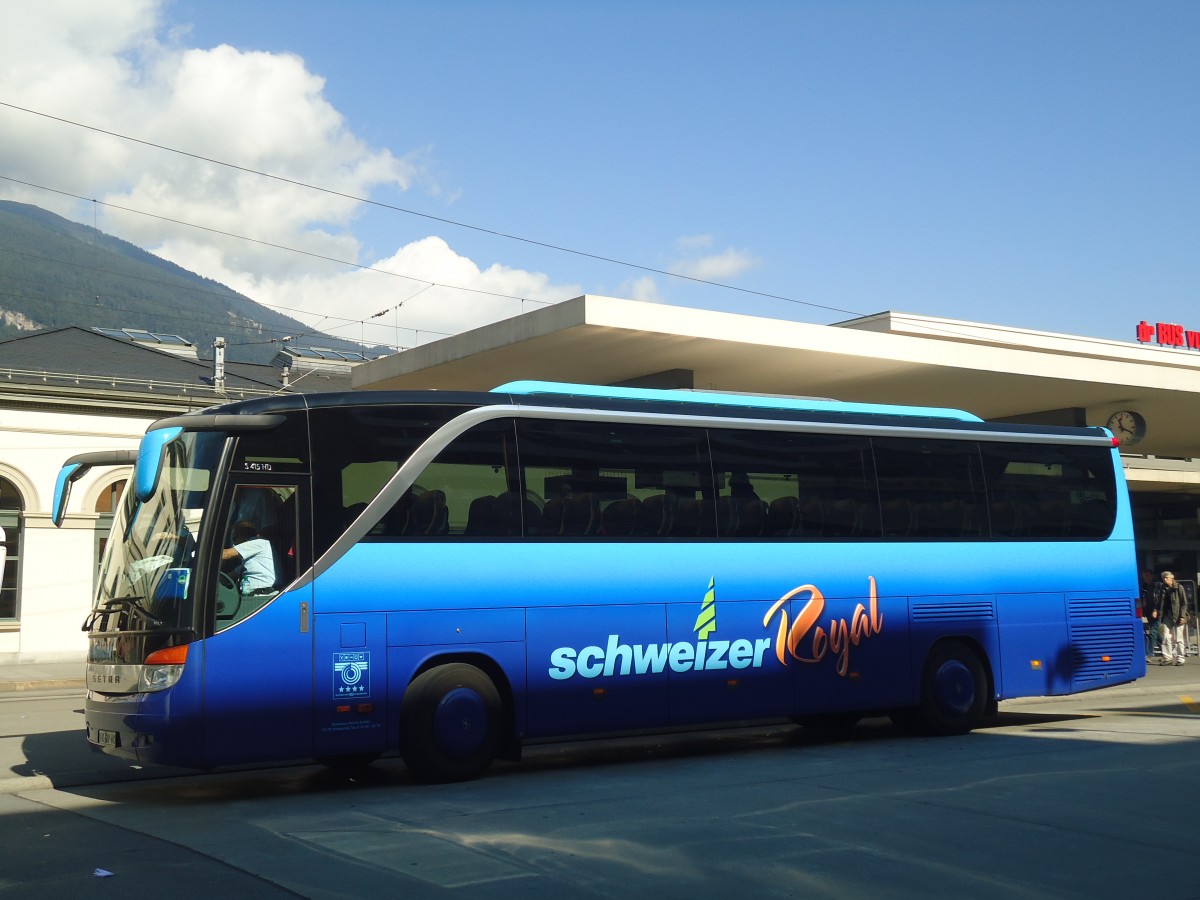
130, 604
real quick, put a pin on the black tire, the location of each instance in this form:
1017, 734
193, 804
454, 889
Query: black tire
954, 690
450, 723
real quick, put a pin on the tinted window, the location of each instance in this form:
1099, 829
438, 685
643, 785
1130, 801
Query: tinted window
278, 450
469, 490
931, 489
603, 480
1050, 491
786, 485
355, 450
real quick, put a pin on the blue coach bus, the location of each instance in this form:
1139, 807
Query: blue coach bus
450, 575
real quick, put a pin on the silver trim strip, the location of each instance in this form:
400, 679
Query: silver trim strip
407, 474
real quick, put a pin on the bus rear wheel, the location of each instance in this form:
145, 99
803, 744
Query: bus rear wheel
450, 723
954, 690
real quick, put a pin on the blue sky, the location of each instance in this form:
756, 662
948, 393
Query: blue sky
1031, 164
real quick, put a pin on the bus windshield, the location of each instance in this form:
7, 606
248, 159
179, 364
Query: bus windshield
145, 594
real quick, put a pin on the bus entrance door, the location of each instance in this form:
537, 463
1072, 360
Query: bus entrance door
350, 684
258, 663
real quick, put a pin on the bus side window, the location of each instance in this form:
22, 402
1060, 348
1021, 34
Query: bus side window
931, 488
1050, 491
356, 450
614, 481
791, 485
469, 490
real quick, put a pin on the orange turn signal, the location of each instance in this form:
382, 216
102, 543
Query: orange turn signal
168, 656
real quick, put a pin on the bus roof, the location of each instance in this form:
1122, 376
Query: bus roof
254, 414
750, 401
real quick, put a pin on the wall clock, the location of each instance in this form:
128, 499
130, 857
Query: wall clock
1127, 426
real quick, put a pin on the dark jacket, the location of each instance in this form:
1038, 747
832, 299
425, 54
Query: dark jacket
1150, 602
1172, 605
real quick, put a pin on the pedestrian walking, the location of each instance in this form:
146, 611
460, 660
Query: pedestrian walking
1172, 613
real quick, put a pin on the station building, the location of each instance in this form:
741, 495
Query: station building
73, 390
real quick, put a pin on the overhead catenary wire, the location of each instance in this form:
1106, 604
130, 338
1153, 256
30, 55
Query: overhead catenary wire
348, 263
290, 334
283, 179
179, 286
949, 329
284, 336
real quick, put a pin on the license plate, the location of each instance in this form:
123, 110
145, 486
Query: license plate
107, 738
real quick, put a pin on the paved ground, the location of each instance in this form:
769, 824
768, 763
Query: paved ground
1048, 802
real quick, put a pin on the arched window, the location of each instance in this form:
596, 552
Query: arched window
106, 505
110, 497
12, 507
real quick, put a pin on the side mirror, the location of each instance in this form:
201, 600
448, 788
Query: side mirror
67, 476
78, 466
150, 460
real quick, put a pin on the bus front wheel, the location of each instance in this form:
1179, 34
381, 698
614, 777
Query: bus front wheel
954, 690
450, 723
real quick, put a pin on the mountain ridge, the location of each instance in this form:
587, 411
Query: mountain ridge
56, 272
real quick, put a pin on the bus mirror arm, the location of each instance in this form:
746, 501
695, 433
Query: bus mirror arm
78, 466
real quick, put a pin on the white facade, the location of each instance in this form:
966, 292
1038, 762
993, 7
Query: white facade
56, 567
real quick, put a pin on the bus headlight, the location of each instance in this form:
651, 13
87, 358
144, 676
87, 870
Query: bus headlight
159, 678
163, 668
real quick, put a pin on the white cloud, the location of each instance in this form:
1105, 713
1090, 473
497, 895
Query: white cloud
723, 266
692, 243
644, 288
424, 290
113, 66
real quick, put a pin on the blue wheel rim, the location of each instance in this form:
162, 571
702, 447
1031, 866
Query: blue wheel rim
460, 723
954, 688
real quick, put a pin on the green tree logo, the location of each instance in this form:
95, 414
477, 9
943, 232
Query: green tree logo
706, 622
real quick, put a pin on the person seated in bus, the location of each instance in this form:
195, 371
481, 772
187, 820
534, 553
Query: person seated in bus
254, 554
260, 505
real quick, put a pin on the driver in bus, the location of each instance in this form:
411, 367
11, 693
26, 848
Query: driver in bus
256, 557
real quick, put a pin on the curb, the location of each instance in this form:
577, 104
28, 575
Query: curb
54, 684
20, 784
23, 783
1130, 690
